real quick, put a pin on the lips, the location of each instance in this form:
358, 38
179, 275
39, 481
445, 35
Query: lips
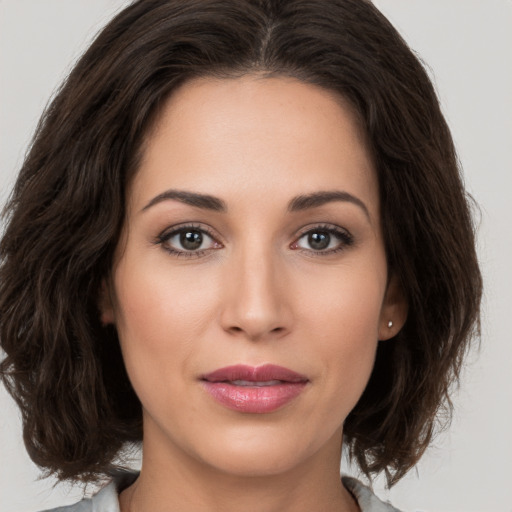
255, 390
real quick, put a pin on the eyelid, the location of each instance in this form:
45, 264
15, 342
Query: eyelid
342, 234
177, 228
345, 238
172, 231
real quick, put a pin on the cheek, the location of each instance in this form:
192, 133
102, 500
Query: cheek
343, 318
156, 300
160, 316
348, 339
347, 301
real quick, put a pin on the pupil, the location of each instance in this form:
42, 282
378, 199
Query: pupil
191, 240
319, 240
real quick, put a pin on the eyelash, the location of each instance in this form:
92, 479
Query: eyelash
165, 236
343, 236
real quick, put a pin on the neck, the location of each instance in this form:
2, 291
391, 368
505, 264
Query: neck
182, 483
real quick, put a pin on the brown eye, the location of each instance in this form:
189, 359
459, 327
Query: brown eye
319, 240
191, 240
188, 241
324, 240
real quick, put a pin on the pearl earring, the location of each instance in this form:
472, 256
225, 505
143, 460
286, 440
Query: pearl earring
390, 324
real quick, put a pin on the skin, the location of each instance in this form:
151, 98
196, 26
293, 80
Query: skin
256, 293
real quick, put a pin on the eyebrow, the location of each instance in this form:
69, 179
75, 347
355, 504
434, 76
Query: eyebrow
203, 201
299, 203
316, 199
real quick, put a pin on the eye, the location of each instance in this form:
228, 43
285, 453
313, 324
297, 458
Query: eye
325, 240
187, 241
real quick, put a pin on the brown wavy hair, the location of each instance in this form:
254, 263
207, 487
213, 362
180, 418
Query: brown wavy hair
64, 217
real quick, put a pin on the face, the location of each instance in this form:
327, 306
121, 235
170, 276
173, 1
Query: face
250, 287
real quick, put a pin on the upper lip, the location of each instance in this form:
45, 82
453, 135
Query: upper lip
264, 373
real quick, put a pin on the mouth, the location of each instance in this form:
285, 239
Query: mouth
255, 390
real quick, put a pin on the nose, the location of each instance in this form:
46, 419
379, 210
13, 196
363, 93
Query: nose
256, 302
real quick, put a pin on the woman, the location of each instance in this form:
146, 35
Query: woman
240, 237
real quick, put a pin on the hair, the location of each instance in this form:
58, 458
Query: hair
66, 211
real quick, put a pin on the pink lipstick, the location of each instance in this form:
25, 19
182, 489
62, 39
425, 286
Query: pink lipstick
256, 390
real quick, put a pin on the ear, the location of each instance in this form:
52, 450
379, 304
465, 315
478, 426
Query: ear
105, 305
394, 310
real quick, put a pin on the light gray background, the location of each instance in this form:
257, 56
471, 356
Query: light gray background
467, 45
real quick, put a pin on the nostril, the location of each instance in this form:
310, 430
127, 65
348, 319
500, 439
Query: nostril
255, 334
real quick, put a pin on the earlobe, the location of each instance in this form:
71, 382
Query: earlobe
394, 310
105, 305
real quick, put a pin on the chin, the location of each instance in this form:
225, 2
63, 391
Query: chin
257, 463
264, 451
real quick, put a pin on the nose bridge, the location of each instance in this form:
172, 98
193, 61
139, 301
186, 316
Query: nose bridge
256, 305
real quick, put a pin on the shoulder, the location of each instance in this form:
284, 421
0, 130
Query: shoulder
106, 499
365, 497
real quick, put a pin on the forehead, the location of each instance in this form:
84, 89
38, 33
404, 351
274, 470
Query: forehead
277, 136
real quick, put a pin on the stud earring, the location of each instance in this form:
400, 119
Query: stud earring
390, 324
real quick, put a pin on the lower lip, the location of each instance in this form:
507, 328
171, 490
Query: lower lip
253, 399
